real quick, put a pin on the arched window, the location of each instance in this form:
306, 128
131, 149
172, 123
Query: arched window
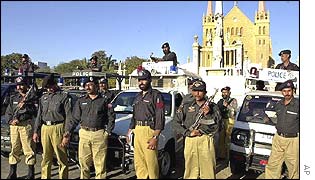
259, 31
228, 30
236, 31
261, 56
259, 42
264, 30
232, 31
241, 31
264, 42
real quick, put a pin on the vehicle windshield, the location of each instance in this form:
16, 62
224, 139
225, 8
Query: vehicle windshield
124, 101
259, 109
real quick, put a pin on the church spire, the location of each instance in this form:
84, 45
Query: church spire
235, 3
209, 10
218, 7
261, 6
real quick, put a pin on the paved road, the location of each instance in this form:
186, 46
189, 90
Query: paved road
223, 172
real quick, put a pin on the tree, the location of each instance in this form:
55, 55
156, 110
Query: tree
108, 63
132, 63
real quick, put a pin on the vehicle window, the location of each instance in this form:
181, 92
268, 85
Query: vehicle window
259, 109
124, 101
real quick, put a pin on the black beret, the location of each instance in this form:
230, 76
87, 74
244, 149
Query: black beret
48, 80
90, 79
199, 85
94, 57
21, 81
226, 88
104, 80
144, 75
165, 45
25, 56
287, 84
285, 52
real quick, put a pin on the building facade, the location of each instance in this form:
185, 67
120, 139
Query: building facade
232, 42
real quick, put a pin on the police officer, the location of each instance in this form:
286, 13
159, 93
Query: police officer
260, 85
168, 55
285, 143
20, 114
97, 120
54, 110
104, 90
147, 123
286, 64
228, 108
27, 65
199, 150
94, 66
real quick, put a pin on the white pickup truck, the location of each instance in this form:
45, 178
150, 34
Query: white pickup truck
169, 142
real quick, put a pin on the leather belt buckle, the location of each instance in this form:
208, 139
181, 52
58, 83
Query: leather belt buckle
48, 123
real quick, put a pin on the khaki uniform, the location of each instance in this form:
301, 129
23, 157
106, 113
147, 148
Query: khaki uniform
285, 143
54, 111
148, 116
97, 120
228, 118
199, 151
21, 134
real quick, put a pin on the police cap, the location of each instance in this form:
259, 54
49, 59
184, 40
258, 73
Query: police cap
165, 45
285, 52
48, 80
199, 85
25, 56
94, 57
287, 84
227, 88
90, 79
103, 80
144, 75
21, 81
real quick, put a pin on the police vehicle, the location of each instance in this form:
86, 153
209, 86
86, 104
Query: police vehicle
254, 128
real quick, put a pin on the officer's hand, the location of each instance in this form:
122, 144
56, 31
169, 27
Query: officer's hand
14, 122
152, 143
65, 141
195, 133
20, 105
206, 110
36, 137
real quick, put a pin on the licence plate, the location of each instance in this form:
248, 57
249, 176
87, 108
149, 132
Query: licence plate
266, 138
6, 138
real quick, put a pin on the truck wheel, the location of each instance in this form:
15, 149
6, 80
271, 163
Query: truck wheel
237, 167
165, 163
5, 154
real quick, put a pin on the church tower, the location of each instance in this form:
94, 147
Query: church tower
232, 42
262, 33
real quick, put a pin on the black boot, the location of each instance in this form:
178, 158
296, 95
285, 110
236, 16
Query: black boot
12, 173
30, 172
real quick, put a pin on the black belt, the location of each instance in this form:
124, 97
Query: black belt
49, 123
91, 129
288, 135
142, 123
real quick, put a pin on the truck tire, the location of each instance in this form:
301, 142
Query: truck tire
165, 162
237, 167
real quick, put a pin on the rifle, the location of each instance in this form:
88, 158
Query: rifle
29, 97
155, 59
200, 113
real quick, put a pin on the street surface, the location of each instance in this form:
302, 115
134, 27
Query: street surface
223, 172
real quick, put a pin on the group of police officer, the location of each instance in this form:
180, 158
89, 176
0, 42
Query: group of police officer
56, 119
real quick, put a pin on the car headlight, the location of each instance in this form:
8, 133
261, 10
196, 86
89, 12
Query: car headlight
240, 137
